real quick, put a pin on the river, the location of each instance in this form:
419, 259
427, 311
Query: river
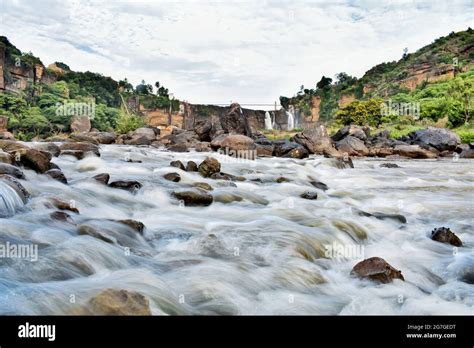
266, 253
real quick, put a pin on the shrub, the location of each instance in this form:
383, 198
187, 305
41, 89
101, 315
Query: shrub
128, 122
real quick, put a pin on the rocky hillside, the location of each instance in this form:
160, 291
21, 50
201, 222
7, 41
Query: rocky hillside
439, 61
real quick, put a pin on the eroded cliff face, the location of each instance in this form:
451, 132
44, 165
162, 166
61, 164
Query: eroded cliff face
15, 76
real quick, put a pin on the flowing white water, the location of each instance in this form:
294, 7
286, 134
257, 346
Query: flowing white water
263, 254
10, 201
268, 121
290, 120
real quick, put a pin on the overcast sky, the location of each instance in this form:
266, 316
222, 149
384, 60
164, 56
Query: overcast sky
215, 52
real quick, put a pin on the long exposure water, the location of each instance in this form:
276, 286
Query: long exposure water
258, 249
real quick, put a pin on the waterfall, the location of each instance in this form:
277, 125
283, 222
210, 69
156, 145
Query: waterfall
273, 120
10, 201
268, 121
291, 120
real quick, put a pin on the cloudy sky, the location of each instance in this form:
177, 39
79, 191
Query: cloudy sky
215, 52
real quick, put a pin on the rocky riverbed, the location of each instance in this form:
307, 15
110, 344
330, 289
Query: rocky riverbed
125, 229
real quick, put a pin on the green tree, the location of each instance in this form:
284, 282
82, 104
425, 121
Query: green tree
362, 112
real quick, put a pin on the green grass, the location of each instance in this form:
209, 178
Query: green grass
400, 130
466, 133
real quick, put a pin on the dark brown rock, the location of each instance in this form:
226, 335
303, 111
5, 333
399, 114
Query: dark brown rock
62, 216
194, 197
309, 195
11, 170
191, 166
175, 177
129, 185
377, 269
444, 235
57, 174
209, 166
177, 164
103, 178
133, 224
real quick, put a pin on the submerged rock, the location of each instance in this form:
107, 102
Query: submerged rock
119, 302
209, 166
318, 184
444, 235
382, 216
103, 178
282, 179
309, 195
133, 224
203, 185
376, 268
389, 165
175, 177
63, 205
96, 233
13, 196
17, 186
226, 176
57, 174
194, 197
62, 216
129, 185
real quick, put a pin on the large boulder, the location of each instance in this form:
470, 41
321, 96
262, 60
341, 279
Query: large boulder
203, 130
377, 269
148, 133
209, 166
316, 141
235, 122
356, 131
285, 148
352, 146
80, 124
39, 161
412, 151
439, 138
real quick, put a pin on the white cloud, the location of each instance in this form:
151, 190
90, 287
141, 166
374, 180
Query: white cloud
219, 51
